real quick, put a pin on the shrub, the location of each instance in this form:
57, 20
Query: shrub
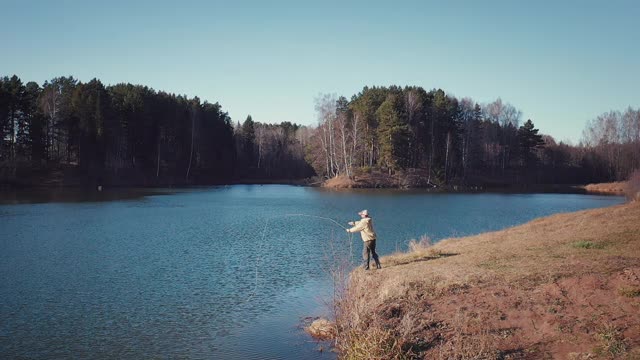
322, 329
421, 244
633, 186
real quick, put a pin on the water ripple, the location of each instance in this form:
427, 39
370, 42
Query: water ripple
206, 273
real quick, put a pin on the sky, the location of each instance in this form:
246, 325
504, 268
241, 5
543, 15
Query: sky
561, 63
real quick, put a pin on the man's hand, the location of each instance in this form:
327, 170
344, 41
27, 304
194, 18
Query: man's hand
347, 230
351, 223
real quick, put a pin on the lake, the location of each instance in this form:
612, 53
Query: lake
224, 272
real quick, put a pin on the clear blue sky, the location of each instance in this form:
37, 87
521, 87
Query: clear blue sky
561, 63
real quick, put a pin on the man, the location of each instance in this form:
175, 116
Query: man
365, 227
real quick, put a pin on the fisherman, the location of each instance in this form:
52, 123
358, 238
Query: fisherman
365, 227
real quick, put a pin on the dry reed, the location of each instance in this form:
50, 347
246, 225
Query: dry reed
632, 189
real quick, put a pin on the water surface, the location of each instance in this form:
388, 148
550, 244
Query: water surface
225, 272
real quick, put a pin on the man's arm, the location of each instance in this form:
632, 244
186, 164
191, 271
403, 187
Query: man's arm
359, 226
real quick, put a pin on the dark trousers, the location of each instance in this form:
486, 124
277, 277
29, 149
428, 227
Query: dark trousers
368, 251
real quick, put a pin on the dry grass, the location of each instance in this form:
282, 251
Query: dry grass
322, 329
421, 244
629, 291
531, 291
368, 178
629, 188
618, 188
632, 189
386, 332
340, 182
365, 179
612, 342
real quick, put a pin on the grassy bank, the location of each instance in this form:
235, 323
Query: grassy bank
565, 286
615, 188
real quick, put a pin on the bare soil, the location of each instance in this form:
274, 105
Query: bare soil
565, 286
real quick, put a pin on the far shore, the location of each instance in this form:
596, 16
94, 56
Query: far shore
362, 183
412, 179
384, 181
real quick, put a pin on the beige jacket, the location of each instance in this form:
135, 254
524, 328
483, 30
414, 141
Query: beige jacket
365, 227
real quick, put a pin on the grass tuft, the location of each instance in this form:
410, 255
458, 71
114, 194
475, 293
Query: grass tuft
629, 292
612, 343
421, 244
322, 329
587, 245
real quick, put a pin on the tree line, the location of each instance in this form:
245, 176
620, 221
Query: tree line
131, 134
396, 129
271, 151
612, 140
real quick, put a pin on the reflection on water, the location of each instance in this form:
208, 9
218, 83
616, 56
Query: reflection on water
71, 195
217, 272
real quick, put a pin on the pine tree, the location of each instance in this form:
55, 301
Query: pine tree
529, 141
393, 135
34, 134
248, 141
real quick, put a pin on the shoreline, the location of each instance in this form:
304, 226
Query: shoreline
587, 189
409, 182
91, 185
412, 179
565, 285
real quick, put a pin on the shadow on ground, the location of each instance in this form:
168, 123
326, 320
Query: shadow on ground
423, 258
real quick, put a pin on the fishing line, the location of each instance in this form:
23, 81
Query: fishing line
264, 235
333, 221
318, 217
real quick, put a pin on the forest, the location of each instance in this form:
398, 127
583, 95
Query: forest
73, 133
66, 132
396, 129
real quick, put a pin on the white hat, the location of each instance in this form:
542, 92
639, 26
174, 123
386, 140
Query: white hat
364, 212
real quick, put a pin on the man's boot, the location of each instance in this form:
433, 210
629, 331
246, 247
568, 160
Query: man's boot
375, 258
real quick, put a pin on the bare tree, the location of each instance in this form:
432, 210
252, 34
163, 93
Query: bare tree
467, 116
615, 138
341, 122
354, 136
326, 110
160, 138
508, 117
260, 141
193, 114
49, 103
413, 105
